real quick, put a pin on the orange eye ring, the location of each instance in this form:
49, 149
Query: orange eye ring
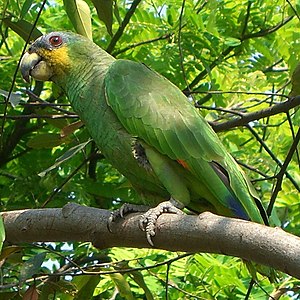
55, 40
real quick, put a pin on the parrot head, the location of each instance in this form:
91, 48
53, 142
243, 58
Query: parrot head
49, 56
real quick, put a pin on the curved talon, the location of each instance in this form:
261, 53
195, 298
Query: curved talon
125, 209
148, 220
149, 235
112, 218
142, 223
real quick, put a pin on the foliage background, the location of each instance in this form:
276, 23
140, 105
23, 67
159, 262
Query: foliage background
230, 57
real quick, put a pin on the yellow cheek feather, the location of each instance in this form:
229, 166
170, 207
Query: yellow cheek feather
58, 59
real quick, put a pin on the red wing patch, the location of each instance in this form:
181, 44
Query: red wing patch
183, 163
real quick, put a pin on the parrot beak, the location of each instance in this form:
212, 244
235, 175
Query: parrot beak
33, 65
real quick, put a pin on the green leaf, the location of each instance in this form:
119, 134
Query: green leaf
58, 123
295, 91
139, 279
105, 13
8, 251
87, 289
46, 140
25, 8
67, 155
117, 13
122, 285
10, 296
79, 14
22, 28
63, 286
233, 42
32, 266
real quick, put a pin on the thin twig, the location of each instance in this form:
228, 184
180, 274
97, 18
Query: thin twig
282, 171
240, 92
251, 285
35, 97
180, 47
245, 118
293, 8
213, 64
124, 23
167, 281
267, 122
163, 37
270, 68
36, 116
58, 189
278, 162
16, 72
293, 135
224, 53
269, 30
246, 19
251, 168
107, 272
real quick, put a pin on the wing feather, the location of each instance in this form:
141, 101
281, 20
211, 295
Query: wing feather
150, 106
153, 109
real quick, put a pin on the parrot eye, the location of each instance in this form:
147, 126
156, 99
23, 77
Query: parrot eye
55, 40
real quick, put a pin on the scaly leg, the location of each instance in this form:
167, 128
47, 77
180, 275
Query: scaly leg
149, 218
124, 210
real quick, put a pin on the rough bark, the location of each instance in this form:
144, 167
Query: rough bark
204, 233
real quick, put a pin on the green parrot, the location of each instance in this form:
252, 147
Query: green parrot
147, 129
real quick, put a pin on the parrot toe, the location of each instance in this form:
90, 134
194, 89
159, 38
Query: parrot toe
148, 220
124, 210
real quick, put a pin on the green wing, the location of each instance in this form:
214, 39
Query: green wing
153, 109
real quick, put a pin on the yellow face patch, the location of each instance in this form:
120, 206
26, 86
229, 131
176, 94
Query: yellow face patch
58, 59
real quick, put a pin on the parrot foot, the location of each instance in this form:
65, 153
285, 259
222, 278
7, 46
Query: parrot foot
148, 220
125, 209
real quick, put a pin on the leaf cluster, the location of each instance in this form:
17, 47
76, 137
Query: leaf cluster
229, 57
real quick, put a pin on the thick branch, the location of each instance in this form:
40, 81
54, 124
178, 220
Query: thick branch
203, 233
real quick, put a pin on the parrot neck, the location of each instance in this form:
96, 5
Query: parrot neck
85, 68
83, 84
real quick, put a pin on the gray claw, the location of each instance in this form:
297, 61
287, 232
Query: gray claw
125, 209
148, 220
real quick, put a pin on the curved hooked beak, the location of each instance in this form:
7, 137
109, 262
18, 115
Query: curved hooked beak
33, 65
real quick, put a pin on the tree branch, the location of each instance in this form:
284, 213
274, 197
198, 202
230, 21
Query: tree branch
245, 118
163, 37
204, 233
264, 32
37, 116
243, 38
246, 18
282, 172
120, 31
273, 156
